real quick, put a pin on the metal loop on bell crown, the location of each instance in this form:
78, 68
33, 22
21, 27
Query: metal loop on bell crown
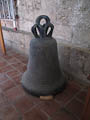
34, 31
47, 26
42, 29
42, 17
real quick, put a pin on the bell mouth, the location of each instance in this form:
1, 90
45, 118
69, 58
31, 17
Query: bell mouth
53, 93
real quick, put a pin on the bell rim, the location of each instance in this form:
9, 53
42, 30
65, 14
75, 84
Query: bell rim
54, 92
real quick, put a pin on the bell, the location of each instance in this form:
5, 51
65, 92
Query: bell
43, 76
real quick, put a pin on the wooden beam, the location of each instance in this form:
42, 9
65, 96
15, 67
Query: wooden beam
2, 40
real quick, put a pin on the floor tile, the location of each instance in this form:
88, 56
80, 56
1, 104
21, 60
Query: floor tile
14, 93
35, 114
2, 97
69, 92
7, 85
6, 69
36, 100
82, 95
2, 64
75, 107
13, 73
23, 104
50, 107
7, 57
21, 88
3, 78
19, 66
13, 60
9, 113
63, 115
23, 59
3, 100
17, 79
22, 68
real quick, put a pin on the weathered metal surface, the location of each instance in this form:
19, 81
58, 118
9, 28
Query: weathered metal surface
43, 75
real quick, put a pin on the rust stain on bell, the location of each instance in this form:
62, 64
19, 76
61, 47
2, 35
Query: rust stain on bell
43, 75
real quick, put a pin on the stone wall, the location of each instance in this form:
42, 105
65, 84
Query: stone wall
71, 19
75, 62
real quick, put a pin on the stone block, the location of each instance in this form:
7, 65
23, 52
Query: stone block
81, 35
79, 64
25, 25
63, 32
64, 56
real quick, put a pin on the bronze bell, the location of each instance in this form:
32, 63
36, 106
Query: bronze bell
43, 76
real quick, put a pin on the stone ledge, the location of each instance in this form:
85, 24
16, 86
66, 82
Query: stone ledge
17, 31
71, 45
59, 41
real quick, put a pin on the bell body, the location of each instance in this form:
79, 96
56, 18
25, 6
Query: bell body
43, 75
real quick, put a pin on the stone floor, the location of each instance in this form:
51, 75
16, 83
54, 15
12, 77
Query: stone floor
16, 104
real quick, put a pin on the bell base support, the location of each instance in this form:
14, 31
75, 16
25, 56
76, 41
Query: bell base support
50, 97
55, 92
